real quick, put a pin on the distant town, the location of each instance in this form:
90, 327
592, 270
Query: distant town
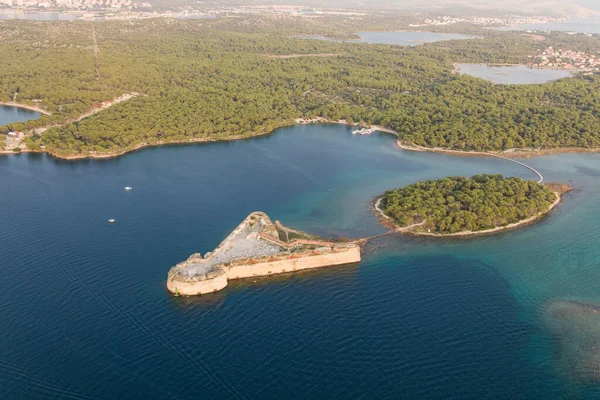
69, 5
73, 4
566, 59
132, 9
489, 21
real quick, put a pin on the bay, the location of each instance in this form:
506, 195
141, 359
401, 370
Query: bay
85, 312
11, 114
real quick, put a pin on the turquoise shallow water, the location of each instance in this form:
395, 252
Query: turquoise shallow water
85, 313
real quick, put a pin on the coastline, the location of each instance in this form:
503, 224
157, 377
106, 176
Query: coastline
505, 154
140, 146
25, 107
388, 222
508, 154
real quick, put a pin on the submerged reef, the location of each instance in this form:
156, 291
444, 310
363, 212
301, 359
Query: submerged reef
575, 326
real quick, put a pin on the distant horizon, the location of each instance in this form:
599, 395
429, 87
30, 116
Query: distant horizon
567, 8
555, 7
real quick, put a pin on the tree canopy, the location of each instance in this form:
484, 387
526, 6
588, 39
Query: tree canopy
213, 79
459, 204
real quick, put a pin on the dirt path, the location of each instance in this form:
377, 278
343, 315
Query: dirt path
396, 228
124, 97
96, 53
286, 56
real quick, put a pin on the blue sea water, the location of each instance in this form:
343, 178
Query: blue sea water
85, 313
10, 114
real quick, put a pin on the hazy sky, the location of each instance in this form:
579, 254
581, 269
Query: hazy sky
515, 6
580, 8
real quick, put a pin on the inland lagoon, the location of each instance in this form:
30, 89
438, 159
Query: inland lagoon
512, 74
402, 38
86, 313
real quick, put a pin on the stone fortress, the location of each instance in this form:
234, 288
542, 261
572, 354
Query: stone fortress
257, 247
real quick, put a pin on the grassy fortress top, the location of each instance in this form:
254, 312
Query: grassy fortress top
458, 204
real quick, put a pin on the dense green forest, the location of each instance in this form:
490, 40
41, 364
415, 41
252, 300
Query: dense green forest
214, 79
458, 204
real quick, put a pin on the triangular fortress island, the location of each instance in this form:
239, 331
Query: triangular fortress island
257, 247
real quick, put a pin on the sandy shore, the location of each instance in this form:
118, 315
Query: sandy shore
25, 107
508, 154
387, 220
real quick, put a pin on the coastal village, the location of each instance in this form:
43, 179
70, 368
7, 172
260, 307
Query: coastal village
69, 4
488, 21
566, 59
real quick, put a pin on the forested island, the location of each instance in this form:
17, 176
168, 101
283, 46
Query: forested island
460, 205
232, 78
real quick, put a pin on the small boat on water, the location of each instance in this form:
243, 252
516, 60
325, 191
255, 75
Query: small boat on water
128, 188
112, 221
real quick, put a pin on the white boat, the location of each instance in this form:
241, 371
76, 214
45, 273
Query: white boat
111, 221
128, 188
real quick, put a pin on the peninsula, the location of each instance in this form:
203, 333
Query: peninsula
459, 206
257, 247
251, 76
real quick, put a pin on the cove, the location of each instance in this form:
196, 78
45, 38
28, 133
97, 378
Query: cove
514, 75
87, 315
12, 114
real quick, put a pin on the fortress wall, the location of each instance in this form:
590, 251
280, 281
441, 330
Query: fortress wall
194, 288
351, 255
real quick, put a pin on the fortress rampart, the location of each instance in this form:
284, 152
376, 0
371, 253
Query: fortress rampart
257, 247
